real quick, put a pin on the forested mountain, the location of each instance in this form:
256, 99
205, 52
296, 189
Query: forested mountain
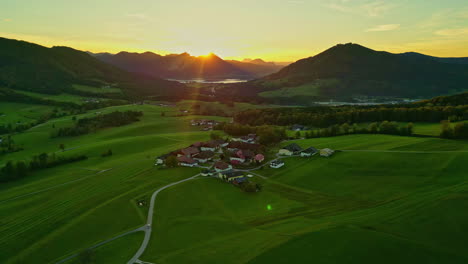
350, 70
184, 66
462, 60
27, 66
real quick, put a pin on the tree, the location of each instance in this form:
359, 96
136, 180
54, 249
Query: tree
249, 187
62, 147
446, 130
298, 134
215, 136
172, 161
461, 130
21, 169
345, 128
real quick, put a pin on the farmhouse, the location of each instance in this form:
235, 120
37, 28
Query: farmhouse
298, 127
231, 175
207, 172
326, 152
189, 152
237, 157
220, 142
309, 152
290, 149
209, 146
186, 161
161, 159
222, 166
250, 138
276, 164
236, 145
204, 156
259, 158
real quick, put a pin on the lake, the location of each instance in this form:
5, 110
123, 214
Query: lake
210, 80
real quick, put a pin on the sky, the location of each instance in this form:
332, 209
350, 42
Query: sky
274, 30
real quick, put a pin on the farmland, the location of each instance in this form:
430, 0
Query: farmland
399, 196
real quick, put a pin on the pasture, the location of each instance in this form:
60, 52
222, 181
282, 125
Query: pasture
389, 195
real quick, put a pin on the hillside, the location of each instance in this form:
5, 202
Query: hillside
184, 66
27, 66
349, 70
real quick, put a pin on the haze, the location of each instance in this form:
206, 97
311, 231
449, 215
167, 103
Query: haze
273, 30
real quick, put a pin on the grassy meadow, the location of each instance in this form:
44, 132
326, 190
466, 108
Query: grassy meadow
326, 210
382, 198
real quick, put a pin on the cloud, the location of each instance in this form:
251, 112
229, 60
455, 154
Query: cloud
387, 27
452, 32
361, 7
377, 8
138, 16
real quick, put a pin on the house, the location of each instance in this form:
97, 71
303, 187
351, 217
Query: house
326, 152
276, 164
238, 181
209, 146
250, 138
222, 166
161, 159
237, 157
236, 145
204, 156
207, 172
197, 144
186, 161
259, 158
189, 152
309, 152
231, 175
298, 127
221, 143
290, 149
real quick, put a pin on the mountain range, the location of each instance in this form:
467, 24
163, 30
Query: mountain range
185, 67
350, 70
344, 71
31, 67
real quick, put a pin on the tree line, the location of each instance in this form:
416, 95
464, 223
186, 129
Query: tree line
7, 145
327, 116
15, 170
385, 127
457, 131
268, 135
91, 124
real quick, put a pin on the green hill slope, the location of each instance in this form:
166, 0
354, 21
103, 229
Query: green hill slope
348, 70
27, 66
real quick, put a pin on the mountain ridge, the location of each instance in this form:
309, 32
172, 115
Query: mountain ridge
185, 66
32, 67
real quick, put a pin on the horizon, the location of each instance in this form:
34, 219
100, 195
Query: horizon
241, 59
289, 31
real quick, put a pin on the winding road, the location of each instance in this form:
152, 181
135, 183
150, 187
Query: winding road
148, 227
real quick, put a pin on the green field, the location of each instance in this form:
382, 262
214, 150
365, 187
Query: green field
384, 199
64, 97
96, 90
355, 207
12, 113
424, 129
216, 107
306, 90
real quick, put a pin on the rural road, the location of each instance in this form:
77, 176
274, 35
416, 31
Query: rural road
148, 227
103, 242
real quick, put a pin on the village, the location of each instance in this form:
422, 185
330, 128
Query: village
231, 158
